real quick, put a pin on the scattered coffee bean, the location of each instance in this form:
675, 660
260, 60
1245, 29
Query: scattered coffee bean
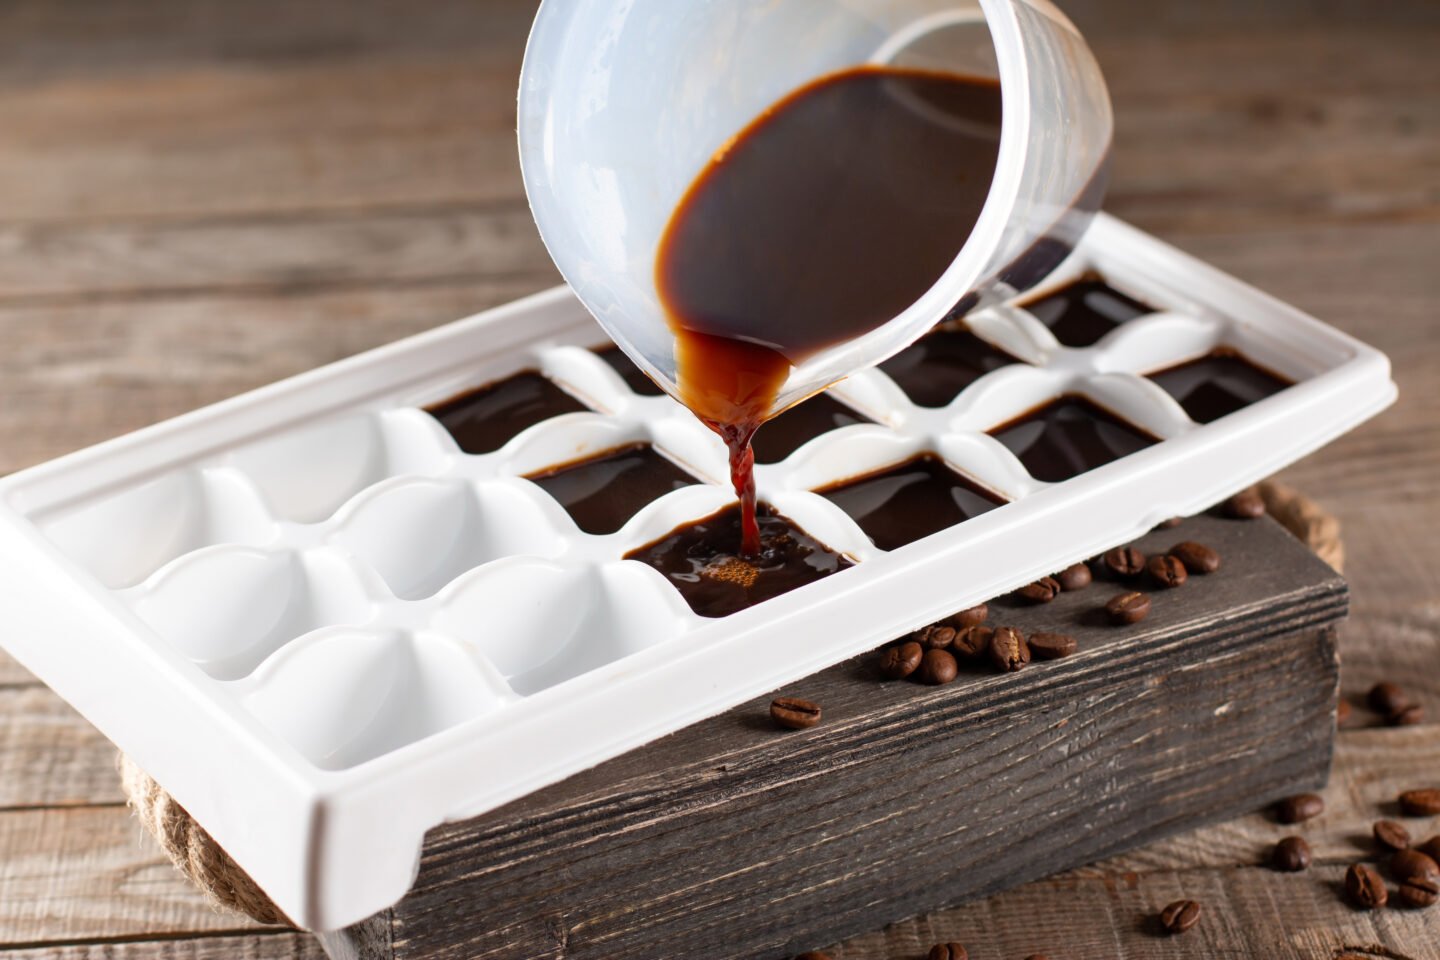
901, 660
1041, 591
1125, 608
1077, 576
1245, 505
1051, 646
1431, 848
947, 951
792, 713
937, 667
1291, 855
1170, 524
1198, 558
1180, 916
935, 637
1409, 717
1299, 808
1391, 835
1165, 571
1420, 803
970, 617
1123, 562
814, 955
1364, 887
1342, 712
1387, 698
1008, 649
1412, 863
1420, 892
973, 641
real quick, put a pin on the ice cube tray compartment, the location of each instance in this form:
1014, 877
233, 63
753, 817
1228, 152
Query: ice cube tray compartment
365, 618
358, 516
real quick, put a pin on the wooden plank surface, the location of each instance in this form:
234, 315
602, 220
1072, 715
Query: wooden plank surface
727, 840
197, 197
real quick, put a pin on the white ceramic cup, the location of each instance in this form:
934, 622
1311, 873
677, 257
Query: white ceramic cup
623, 102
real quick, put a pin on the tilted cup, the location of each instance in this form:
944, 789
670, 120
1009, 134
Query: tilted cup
623, 103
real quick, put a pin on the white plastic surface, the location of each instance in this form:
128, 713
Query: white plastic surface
325, 629
623, 102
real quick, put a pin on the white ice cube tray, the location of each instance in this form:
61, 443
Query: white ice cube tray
325, 629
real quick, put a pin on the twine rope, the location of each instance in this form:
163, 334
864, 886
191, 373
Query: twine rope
225, 884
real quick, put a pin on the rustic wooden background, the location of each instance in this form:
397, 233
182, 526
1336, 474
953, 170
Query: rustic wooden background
199, 197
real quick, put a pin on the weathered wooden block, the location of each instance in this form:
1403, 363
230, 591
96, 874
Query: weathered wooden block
734, 839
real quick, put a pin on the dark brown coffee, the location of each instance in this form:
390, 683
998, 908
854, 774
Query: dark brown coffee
1218, 385
1082, 312
634, 377
799, 425
604, 491
823, 219
934, 369
902, 504
488, 417
703, 561
1069, 436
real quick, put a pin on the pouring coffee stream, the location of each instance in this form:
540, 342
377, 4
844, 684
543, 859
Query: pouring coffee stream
819, 222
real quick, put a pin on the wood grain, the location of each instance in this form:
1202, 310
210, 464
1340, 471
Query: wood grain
286, 254
198, 196
256, 945
111, 367
1246, 913
90, 873
49, 755
727, 840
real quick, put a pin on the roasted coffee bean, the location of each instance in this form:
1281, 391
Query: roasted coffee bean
1342, 712
1165, 571
1170, 524
792, 713
1364, 887
972, 641
1299, 808
814, 955
1180, 916
969, 617
1412, 863
1124, 608
937, 667
1198, 558
1051, 646
1420, 803
1123, 563
1291, 855
1008, 649
948, 951
1391, 835
1077, 576
1419, 892
1245, 505
901, 660
1041, 591
1387, 698
1037, 956
1431, 848
935, 637
1409, 717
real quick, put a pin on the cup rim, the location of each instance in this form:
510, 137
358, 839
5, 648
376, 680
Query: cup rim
964, 271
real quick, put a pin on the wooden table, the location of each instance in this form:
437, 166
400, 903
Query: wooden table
199, 197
